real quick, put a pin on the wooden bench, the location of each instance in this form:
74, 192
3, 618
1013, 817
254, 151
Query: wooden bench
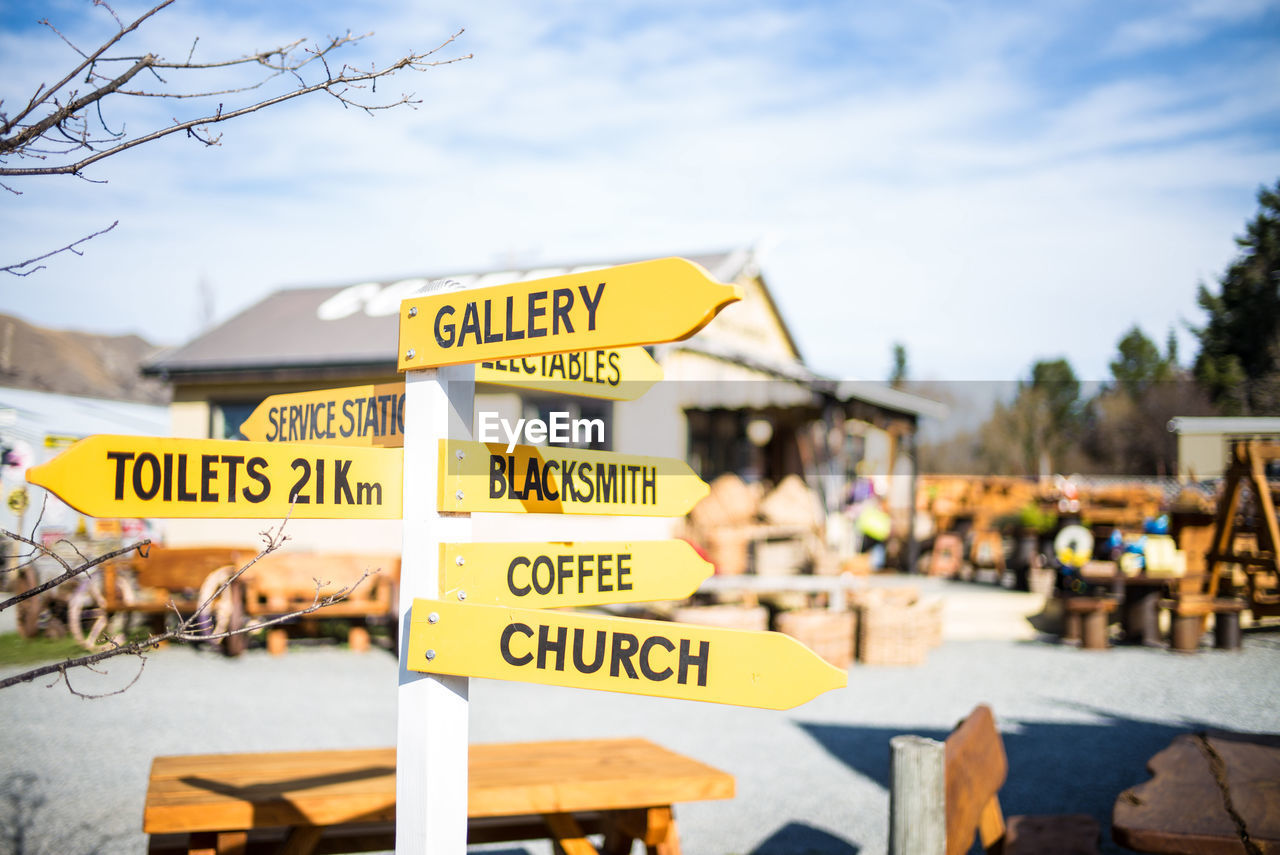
345, 801
284, 582
975, 769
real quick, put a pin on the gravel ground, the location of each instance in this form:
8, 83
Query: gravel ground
1078, 726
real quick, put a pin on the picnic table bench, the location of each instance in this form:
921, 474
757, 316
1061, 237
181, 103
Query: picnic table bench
285, 582
345, 801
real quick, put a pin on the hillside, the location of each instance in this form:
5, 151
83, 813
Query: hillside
76, 363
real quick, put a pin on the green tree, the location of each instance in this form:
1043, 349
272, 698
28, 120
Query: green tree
1126, 429
1139, 364
898, 373
1239, 359
1034, 432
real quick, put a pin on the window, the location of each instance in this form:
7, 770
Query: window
226, 417
591, 419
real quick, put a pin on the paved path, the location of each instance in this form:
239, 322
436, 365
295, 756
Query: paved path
1079, 728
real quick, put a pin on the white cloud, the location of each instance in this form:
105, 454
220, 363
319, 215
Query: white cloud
1180, 23
933, 173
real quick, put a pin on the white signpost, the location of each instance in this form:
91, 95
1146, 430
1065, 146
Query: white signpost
431, 718
445, 472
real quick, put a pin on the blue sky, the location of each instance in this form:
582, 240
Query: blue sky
987, 183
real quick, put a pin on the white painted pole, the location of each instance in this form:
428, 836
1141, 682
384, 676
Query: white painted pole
431, 731
917, 796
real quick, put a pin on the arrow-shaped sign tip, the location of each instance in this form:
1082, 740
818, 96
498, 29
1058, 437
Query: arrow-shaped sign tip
815, 674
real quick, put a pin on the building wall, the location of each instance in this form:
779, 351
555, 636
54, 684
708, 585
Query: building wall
1202, 456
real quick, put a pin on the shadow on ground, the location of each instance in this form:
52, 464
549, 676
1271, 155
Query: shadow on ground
1054, 767
796, 838
27, 826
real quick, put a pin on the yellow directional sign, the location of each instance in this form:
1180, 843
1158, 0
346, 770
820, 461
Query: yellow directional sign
137, 476
640, 657
356, 415
373, 415
651, 301
550, 575
477, 476
619, 374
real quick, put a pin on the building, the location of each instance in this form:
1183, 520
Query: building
736, 397
1204, 443
34, 427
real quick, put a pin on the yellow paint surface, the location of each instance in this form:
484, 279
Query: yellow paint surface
618, 374
479, 476
641, 657
371, 416
633, 304
552, 575
156, 477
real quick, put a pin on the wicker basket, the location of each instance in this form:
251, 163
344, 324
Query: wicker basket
895, 634
728, 549
754, 618
830, 634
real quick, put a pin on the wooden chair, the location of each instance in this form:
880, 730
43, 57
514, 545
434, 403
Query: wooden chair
976, 768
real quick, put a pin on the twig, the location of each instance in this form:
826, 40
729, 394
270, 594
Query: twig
69, 571
43, 94
16, 269
339, 85
328, 85
187, 629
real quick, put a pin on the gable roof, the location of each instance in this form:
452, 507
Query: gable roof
355, 326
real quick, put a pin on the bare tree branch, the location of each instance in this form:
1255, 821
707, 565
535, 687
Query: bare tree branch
187, 629
16, 139
17, 269
62, 130
69, 572
42, 94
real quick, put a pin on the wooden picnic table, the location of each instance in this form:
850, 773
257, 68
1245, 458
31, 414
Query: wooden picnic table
1140, 597
1210, 793
345, 801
